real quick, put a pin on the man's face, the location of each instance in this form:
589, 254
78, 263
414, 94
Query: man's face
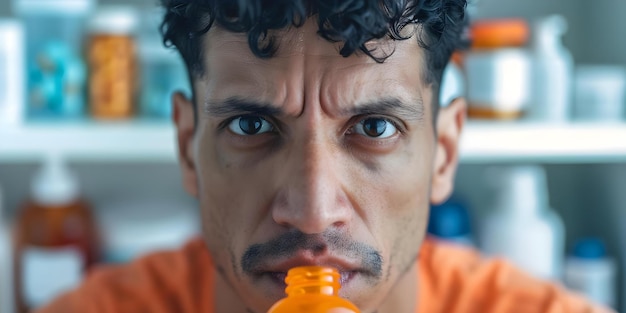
312, 158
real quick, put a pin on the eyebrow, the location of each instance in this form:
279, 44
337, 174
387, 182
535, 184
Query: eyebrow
235, 105
384, 106
390, 106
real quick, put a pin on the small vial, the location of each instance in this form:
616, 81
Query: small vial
313, 289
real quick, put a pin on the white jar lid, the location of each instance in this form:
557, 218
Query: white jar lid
53, 7
114, 19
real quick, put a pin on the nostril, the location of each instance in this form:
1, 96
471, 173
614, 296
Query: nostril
339, 224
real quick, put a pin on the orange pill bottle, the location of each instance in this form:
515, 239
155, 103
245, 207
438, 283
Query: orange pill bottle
313, 289
112, 60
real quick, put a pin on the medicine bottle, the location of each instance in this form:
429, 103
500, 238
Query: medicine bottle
498, 68
313, 289
55, 238
112, 61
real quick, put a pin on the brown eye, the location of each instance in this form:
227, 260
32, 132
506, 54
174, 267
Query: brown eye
375, 128
250, 125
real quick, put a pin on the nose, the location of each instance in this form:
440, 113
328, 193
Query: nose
312, 198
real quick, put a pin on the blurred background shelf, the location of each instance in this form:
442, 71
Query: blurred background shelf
154, 141
151, 141
543, 143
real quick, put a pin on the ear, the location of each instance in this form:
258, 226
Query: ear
449, 126
183, 117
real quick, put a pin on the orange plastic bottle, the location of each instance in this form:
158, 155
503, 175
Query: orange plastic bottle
313, 289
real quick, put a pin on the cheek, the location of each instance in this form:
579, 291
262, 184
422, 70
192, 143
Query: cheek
219, 201
404, 180
233, 197
402, 193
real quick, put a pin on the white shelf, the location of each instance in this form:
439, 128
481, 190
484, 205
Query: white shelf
482, 143
544, 143
90, 141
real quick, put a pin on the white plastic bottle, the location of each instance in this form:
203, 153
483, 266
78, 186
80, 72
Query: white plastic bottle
552, 71
591, 272
521, 227
6, 281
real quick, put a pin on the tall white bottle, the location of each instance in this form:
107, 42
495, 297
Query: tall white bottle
552, 71
521, 227
6, 281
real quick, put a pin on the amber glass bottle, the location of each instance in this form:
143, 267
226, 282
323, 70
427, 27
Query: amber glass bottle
313, 289
112, 61
55, 239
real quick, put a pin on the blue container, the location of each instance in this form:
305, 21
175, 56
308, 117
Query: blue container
56, 72
450, 221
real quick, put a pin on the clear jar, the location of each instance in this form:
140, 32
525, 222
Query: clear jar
54, 64
112, 62
162, 69
498, 70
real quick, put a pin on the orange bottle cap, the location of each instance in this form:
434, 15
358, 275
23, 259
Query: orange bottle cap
499, 33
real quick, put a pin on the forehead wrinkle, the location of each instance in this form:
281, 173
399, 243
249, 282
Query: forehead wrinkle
365, 91
308, 69
341, 85
239, 73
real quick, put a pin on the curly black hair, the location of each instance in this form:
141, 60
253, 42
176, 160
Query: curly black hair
351, 22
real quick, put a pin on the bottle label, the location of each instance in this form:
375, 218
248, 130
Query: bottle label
48, 272
4, 79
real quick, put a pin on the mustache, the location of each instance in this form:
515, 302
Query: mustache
289, 243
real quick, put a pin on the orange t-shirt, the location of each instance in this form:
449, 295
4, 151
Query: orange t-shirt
451, 280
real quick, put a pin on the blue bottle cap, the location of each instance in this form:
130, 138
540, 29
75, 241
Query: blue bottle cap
589, 248
449, 220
